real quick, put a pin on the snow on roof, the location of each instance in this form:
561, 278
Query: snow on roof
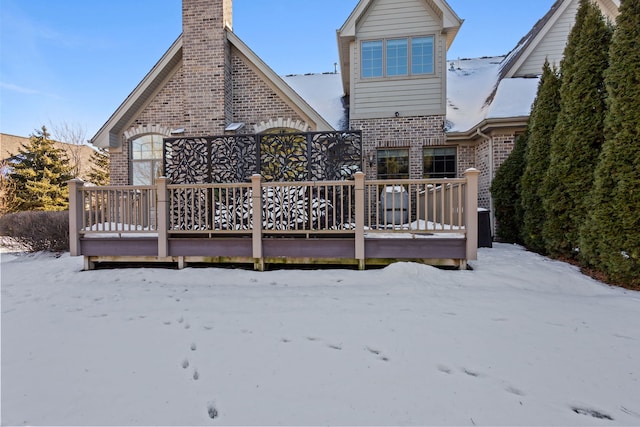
323, 92
513, 98
470, 83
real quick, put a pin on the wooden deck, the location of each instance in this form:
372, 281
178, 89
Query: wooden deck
359, 223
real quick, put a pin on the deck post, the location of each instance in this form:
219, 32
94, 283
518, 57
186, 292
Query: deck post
256, 203
359, 238
163, 217
471, 213
76, 211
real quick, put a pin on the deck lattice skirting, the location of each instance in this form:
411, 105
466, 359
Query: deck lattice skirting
355, 222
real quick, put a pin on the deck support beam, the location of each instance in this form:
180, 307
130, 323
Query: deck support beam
471, 213
359, 237
163, 217
76, 212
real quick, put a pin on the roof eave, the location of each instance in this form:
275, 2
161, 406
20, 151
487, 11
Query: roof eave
486, 126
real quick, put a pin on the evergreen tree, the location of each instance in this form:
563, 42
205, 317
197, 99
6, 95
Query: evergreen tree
542, 123
579, 132
610, 239
40, 177
505, 190
99, 174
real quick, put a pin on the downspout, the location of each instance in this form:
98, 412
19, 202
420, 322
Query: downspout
491, 167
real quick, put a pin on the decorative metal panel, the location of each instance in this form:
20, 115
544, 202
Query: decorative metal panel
284, 157
316, 156
233, 158
186, 160
335, 155
289, 157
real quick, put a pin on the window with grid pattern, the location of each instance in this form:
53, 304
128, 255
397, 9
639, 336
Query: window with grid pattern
440, 162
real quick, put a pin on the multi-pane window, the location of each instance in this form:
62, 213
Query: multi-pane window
440, 162
146, 159
398, 57
422, 55
393, 163
372, 59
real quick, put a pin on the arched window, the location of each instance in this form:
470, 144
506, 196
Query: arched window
146, 159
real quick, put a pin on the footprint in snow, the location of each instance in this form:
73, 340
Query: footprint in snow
194, 347
377, 353
97, 316
515, 391
444, 369
470, 372
212, 411
592, 413
335, 347
185, 364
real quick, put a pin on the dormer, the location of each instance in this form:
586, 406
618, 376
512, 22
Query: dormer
396, 49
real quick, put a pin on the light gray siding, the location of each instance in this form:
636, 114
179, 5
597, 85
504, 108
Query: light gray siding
552, 45
414, 95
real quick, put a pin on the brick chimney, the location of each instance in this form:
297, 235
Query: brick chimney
206, 66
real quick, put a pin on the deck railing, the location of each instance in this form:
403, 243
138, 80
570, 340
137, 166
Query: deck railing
357, 207
117, 209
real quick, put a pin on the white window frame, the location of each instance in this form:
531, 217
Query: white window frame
366, 73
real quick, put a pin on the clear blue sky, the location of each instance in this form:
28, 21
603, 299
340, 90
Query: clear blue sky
75, 61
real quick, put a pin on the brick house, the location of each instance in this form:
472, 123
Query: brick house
420, 115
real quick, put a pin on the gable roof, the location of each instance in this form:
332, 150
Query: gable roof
517, 57
109, 133
513, 64
346, 34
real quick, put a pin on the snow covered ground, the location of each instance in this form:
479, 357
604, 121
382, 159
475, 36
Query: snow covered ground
520, 340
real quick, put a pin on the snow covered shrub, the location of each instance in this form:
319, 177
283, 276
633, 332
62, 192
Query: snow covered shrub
38, 230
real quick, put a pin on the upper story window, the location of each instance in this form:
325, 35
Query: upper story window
146, 156
397, 57
422, 55
372, 59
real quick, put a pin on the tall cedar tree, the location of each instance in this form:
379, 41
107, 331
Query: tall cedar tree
544, 115
611, 236
579, 132
505, 190
41, 175
99, 174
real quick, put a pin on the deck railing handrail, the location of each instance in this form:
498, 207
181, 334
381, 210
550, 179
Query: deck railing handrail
355, 207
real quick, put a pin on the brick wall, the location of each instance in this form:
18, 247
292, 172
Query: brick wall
483, 164
466, 158
207, 63
119, 165
488, 163
253, 100
413, 133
